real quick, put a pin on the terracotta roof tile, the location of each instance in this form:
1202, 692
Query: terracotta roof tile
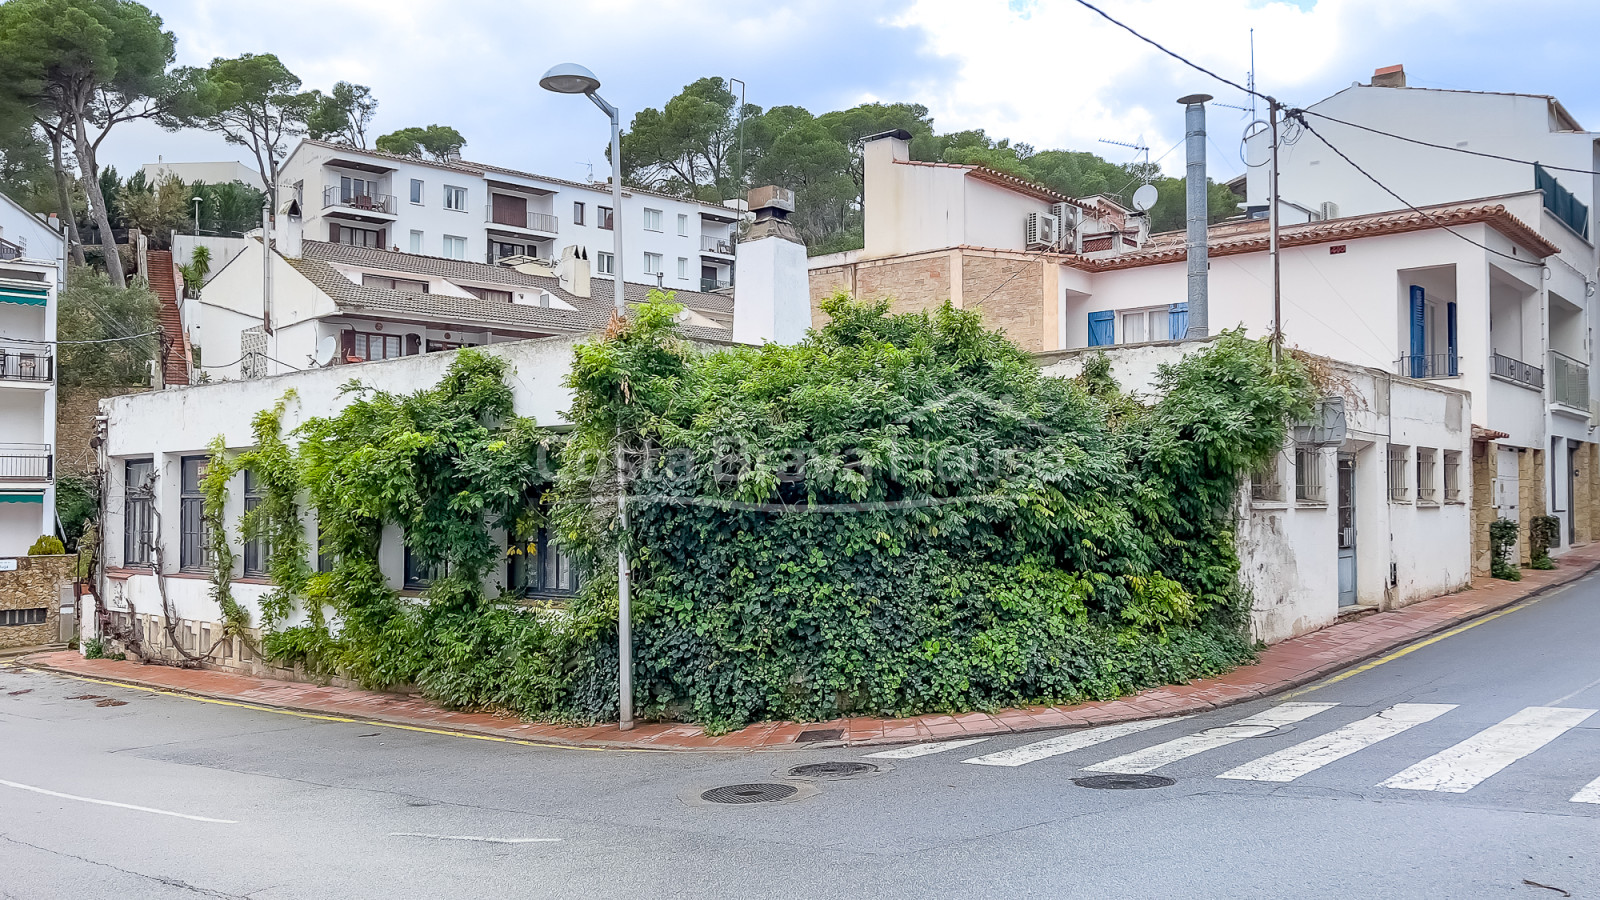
993, 176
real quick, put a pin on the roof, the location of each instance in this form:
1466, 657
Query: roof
589, 313
1010, 182
1560, 111
1252, 235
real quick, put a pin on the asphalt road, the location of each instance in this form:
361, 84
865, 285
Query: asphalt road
273, 805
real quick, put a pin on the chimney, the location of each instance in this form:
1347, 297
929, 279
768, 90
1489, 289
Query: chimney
290, 228
573, 272
772, 300
1195, 195
886, 191
1389, 76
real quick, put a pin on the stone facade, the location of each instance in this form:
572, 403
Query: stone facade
1583, 494
1009, 294
1482, 508
75, 413
1530, 500
36, 584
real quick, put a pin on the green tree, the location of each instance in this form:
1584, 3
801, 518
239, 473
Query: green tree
438, 142
689, 146
792, 149
123, 323
228, 209
253, 101
343, 114
25, 172
89, 65
157, 209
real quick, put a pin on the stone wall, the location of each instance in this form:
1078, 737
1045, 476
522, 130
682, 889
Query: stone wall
1482, 507
1009, 294
1582, 506
35, 584
1530, 500
76, 409
909, 283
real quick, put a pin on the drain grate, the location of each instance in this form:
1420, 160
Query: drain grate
749, 793
819, 734
833, 770
1124, 782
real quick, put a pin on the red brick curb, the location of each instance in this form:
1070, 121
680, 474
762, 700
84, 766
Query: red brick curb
1281, 667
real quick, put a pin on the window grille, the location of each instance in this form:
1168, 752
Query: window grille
12, 617
256, 550
1452, 476
1399, 486
1425, 474
194, 551
1265, 483
138, 519
1308, 485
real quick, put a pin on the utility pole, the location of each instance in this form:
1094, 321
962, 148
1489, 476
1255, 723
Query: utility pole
1272, 241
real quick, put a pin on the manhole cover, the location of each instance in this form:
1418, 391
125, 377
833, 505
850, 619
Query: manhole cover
833, 770
819, 734
749, 793
1123, 782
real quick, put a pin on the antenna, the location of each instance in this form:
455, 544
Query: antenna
325, 350
591, 169
1140, 149
1252, 81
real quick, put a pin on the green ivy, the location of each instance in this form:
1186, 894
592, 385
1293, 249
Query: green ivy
220, 470
1544, 532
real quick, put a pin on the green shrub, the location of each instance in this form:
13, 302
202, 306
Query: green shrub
1502, 547
1544, 532
47, 545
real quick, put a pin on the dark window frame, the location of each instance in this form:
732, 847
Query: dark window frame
577, 212
554, 575
138, 513
257, 551
194, 551
605, 219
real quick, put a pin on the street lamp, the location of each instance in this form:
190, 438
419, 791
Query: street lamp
197, 202
571, 78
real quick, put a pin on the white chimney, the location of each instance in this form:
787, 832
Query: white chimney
291, 230
573, 271
772, 299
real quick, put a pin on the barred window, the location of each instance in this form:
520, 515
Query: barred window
418, 575
256, 550
1399, 481
36, 616
541, 569
193, 550
1265, 483
138, 517
1426, 493
1308, 486
1452, 476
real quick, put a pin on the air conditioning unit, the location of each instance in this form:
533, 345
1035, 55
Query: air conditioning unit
1330, 210
1043, 232
1068, 215
1327, 426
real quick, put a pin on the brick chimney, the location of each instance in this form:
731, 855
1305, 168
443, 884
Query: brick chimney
1389, 76
772, 300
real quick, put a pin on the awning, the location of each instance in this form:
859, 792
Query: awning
24, 296
22, 498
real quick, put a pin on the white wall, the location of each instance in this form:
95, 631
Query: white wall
28, 408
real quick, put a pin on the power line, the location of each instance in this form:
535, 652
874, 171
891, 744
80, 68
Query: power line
1193, 65
110, 340
1420, 142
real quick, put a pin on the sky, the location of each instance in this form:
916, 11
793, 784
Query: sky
1047, 72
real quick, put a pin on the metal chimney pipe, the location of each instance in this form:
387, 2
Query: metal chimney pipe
1195, 197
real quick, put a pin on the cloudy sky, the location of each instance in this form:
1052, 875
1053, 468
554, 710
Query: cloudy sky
1048, 72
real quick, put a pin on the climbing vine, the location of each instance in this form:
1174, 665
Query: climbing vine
1544, 532
220, 470
277, 520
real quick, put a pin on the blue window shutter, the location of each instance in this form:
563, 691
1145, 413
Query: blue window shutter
1419, 335
1102, 328
1177, 321
1450, 337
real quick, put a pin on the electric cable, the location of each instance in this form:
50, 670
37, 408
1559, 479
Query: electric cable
110, 340
1420, 142
1193, 65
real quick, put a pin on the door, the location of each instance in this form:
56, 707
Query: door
1347, 529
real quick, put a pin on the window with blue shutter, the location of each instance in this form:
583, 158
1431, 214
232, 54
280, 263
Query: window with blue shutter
1102, 328
1450, 338
1419, 334
1177, 321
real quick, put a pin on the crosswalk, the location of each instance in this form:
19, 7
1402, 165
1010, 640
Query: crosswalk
1455, 769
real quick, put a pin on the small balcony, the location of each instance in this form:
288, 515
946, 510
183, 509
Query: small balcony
26, 463
1569, 382
33, 366
9, 251
1435, 365
363, 202
1516, 371
543, 223
714, 284
718, 245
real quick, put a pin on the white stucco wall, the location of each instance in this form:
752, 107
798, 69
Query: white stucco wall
28, 407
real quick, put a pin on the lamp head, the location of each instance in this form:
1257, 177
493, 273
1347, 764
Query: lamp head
569, 78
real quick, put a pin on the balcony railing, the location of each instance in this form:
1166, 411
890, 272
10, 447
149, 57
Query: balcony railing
1516, 370
1561, 203
334, 195
714, 284
1569, 381
25, 365
26, 462
9, 250
533, 221
709, 244
1433, 365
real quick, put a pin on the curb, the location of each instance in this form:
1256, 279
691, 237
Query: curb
469, 730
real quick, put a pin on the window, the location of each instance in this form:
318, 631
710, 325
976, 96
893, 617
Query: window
362, 345
577, 213
1426, 493
256, 549
358, 237
503, 249
138, 519
483, 293
683, 267
1102, 328
455, 247
605, 263
683, 225
1452, 476
652, 264
351, 188
605, 217
418, 575
325, 557
394, 284
455, 198
416, 190
416, 242
1265, 484
1142, 325
36, 616
652, 220
193, 553
540, 568
1399, 488
1308, 475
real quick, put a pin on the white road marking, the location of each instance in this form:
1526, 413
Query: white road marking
916, 750
1463, 767
159, 812
1308, 756
1589, 794
1066, 743
473, 837
1152, 758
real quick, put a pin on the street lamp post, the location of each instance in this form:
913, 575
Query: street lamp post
571, 78
197, 202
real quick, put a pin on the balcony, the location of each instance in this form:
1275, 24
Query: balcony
333, 197
26, 462
1561, 203
9, 250
714, 284
25, 365
1516, 371
719, 246
1435, 365
1569, 382
544, 223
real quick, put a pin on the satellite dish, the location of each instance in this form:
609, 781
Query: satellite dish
325, 350
1144, 198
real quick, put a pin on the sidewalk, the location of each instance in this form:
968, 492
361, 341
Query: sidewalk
1281, 667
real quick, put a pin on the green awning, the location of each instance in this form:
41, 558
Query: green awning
24, 296
22, 498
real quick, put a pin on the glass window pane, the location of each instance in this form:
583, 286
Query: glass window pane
1133, 328
1159, 327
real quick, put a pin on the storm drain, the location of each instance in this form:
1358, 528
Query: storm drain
1124, 782
749, 793
833, 770
819, 734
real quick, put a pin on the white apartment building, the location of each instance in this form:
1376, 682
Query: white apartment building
479, 212
32, 269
